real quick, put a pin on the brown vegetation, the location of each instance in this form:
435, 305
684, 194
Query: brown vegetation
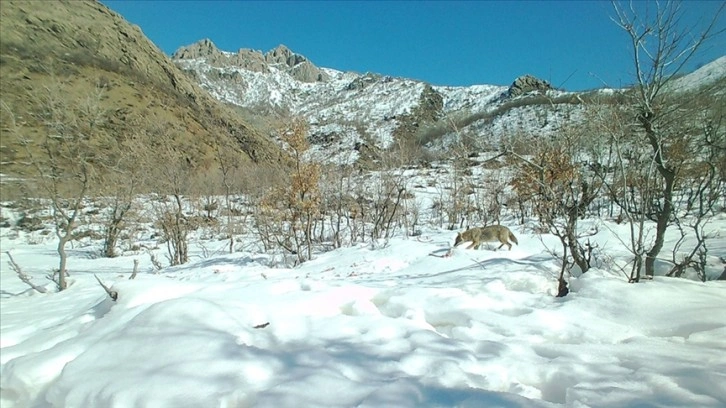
80, 46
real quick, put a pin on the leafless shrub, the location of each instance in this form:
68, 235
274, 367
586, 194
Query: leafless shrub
287, 214
659, 120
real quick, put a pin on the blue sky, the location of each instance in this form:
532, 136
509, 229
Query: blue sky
573, 44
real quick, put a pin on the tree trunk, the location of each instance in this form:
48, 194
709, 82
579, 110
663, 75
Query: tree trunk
112, 234
62, 284
669, 178
562, 289
663, 217
575, 250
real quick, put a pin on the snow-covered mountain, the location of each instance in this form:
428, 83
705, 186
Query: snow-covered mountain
351, 113
707, 74
347, 111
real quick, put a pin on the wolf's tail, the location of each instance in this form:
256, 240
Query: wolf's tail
513, 238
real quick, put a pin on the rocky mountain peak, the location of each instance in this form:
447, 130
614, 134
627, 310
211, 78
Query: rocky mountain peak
295, 64
200, 49
281, 57
526, 84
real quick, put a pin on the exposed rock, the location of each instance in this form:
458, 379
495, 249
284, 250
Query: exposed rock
250, 59
233, 77
526, 84
281, 57
307, 72
429, 110
205, 49
363, 81
431, 106
201, 49
296, 65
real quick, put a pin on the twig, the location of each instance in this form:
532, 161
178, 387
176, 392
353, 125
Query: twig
445, 255
136, 269
111, 293
23, 277
155, 261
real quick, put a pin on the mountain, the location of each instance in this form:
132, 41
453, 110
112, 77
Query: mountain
295, 65
352, 116
711, 73
347, 111
81, 46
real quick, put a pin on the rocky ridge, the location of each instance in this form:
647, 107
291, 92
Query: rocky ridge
528, 83
295, 65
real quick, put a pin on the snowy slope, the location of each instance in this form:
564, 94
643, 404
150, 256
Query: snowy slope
390, 326
379, 324
345, 110
705, 75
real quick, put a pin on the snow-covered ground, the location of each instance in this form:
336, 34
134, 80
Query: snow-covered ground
364, 326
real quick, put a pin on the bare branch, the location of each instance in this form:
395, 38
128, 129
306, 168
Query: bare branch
111, 293
23, 277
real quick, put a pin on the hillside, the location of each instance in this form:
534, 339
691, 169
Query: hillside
80, 49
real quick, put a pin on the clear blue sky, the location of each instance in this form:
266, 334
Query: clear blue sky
573, 44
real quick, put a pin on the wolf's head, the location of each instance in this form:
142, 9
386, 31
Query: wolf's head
458, 239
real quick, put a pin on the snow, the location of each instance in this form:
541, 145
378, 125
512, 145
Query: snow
384, 325
705, 75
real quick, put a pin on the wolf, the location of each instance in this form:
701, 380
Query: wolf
491, 233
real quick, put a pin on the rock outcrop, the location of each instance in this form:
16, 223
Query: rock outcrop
429, 110
526, 84
280, 57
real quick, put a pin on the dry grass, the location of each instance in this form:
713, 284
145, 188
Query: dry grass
79, 46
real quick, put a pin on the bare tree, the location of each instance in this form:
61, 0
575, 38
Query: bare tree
336, 187
23, 277
125, 178
703, 186
561, 188
661, 48
66, 157
173, 181
381, 205
235, 179
628, 177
